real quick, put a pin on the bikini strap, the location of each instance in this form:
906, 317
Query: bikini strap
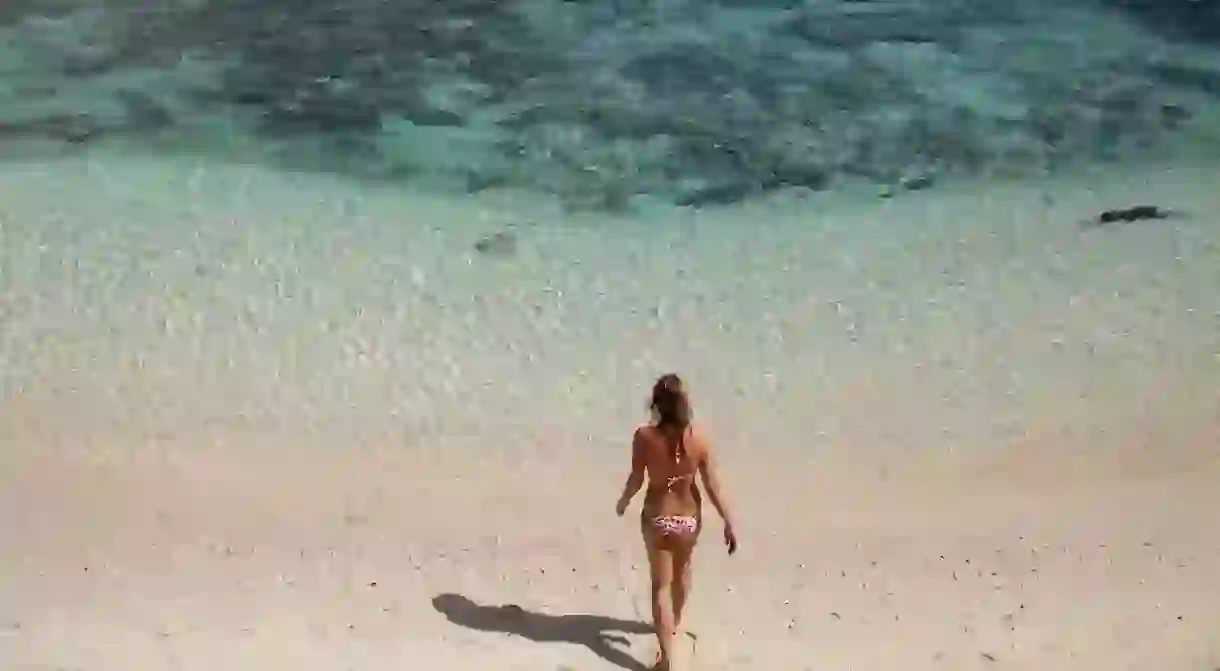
679, 451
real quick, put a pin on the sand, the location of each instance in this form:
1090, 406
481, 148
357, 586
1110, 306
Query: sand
259, 421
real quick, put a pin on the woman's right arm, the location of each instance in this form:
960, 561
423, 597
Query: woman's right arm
709, 471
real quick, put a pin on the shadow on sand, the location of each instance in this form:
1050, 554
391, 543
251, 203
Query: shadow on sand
595, 632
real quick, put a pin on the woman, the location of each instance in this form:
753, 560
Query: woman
670, 451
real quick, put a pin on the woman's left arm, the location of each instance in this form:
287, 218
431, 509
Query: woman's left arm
636, 479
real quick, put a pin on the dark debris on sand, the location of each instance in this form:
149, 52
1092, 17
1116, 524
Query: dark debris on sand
1132, 214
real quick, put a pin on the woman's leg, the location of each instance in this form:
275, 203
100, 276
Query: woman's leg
682, 554
660, 563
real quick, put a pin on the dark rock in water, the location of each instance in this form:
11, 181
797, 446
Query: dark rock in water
918, 182
501, 243
73, 129
1133, 214
686, 68
1173, 115
144, 113
851, 25
1193, 19
733, 191
762, 4
310, 113
717, 194
1200, 76
1130, 214
854, 25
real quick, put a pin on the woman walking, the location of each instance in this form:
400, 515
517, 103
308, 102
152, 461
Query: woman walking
670, 451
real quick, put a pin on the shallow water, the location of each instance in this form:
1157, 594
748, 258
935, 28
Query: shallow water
218, 299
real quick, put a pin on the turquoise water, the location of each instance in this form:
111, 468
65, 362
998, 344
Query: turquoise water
605, 105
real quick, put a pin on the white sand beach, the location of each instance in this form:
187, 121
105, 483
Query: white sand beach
256, 421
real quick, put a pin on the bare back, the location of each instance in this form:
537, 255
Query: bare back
672, 489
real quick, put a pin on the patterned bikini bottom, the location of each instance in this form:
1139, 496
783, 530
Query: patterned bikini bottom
675, 524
